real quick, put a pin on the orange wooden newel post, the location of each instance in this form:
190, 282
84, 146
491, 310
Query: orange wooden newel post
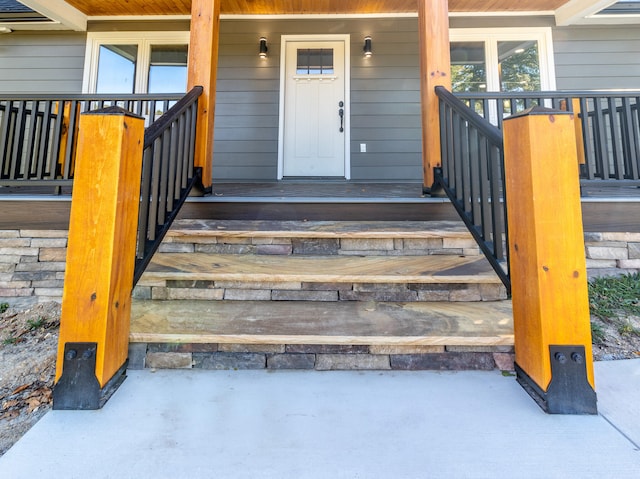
203, 67
96, 301
548, 267
435, 70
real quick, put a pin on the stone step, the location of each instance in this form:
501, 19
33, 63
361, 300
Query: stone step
323, 336
382, 238
319, 278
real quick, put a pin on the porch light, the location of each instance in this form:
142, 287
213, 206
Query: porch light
263, 47
367, 47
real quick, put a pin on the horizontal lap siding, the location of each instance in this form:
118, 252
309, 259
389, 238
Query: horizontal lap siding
47, 62
385, 108
385, 98
593, 58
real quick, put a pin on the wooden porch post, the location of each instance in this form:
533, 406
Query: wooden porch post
548, 268
435, 70
96, 301
203, 66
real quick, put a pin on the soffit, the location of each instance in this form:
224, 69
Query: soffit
280, 7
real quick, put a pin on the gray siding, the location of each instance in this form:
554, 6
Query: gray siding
592, 58
385, 96
47, 62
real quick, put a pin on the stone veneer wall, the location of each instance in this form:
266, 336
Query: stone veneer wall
32, 265
32, 262
318, 357
612, 253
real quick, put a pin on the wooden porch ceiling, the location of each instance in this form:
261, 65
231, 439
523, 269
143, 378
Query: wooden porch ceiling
281, 7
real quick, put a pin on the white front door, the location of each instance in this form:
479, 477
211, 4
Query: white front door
314, 128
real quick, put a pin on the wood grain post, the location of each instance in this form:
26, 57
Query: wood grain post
64, 137
203, 67
435, 70
548, 267
96, 301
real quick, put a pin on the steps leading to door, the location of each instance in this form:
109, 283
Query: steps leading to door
372, 295
320, 261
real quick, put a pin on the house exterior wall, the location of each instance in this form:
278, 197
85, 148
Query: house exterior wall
385, 98
41, 62
593, 58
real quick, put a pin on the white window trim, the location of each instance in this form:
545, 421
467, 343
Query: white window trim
491, 37
144, 40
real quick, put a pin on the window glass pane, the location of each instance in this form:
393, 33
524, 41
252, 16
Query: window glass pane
519, 65
117, 68
468, 67
315, 61
168, 69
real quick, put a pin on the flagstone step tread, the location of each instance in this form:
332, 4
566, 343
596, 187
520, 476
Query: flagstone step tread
326, 269
319, 229
344, 323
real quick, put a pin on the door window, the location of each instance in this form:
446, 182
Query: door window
167, 69
315, 61
501, 60
117, 68
468, 66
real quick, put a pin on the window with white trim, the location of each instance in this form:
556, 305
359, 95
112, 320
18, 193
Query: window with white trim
502, 60
136, 62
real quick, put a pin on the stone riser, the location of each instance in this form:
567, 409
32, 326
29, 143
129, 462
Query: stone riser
318, 357
296, 291
320, 246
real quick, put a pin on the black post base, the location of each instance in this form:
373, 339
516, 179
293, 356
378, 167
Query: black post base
78, 387
569, 391
435, 191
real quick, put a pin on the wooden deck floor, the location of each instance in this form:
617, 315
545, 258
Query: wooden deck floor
604, 209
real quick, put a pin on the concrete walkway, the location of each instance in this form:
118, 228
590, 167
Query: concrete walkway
258, 424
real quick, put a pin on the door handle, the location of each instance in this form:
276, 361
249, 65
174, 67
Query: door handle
341, 113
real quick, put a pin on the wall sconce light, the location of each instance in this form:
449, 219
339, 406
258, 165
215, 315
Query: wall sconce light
5, 30
367, 47
263, 47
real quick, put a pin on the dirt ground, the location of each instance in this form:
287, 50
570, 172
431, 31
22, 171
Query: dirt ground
28, 342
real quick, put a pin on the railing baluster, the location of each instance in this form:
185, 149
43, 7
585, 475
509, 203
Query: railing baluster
155, 189
181, 177
617, 159
31, 126
145, 199
627, 138
173, 160
17, 141
164, 177
474, 179
5, 132
635, 135
43, 142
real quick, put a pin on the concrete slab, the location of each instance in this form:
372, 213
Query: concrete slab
288, 424
618, 386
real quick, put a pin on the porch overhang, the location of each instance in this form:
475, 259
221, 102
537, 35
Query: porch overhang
75, 14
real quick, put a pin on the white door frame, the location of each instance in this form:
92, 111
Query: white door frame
347, 95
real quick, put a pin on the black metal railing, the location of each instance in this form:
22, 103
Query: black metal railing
168, 175
609, 147
38, 134
472, 176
